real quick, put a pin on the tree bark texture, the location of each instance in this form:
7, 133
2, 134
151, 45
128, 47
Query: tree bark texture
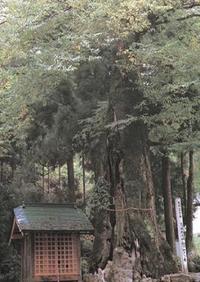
134, 223
168, 206
102, 243
71, 180
190, 196
154, 252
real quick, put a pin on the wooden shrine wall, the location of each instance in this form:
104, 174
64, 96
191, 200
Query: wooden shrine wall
57, 256
27, 258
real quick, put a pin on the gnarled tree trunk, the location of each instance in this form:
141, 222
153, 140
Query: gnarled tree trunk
155, 255
133, 221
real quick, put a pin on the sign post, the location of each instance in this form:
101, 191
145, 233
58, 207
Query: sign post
181, 236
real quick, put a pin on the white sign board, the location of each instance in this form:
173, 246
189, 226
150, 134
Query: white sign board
181, 236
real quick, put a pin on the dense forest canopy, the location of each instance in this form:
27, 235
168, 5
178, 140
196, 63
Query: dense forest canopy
101, 98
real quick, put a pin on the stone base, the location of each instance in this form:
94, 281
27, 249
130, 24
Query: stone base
121, 276
178, 277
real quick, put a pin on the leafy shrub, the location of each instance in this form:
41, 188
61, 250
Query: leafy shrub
99, 199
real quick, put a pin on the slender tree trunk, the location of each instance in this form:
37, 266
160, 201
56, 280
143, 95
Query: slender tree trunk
150, 198
43, 178
184, 183
113, 176
48, 180
13, 166
98, 168
168, 207
59, 176
71, 180
1, 171
84, 187
190, 195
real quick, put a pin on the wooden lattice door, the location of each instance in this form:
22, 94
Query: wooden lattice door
56, 254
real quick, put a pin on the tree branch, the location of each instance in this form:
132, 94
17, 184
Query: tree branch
191, 4
188, 17
3, 22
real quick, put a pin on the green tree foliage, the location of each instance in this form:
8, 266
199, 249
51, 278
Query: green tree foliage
171, 78
86, 76
10, 261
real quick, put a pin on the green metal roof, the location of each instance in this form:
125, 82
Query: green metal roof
51, 217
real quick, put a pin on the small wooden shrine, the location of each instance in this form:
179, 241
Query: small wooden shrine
49, 236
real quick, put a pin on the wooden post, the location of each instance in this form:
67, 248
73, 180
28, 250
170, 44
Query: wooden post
23, 261
56, 256
27, 275
79, 255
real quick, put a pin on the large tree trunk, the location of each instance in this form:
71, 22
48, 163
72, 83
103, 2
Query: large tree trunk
168, 207
71, 180
154, 252
190, 195
136, 234
132, 211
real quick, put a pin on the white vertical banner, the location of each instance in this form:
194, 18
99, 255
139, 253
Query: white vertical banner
181, 235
